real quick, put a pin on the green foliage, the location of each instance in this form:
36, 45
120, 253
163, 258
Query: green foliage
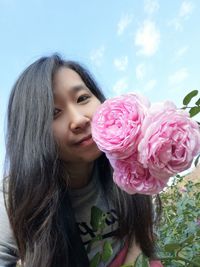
107, 251
95, 260
97, 219
196, 160
179, 232
195, 109
189, 97
98, 224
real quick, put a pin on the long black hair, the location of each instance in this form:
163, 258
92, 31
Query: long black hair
36, 195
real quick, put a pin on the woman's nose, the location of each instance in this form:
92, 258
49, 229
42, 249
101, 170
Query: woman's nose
78, 121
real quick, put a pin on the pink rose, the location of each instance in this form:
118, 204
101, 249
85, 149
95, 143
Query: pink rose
132, 177
171, 140
116, 126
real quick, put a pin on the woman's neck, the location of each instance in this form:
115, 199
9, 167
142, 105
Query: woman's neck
79, 174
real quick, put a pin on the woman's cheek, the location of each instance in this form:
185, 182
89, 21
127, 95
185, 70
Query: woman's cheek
59, 134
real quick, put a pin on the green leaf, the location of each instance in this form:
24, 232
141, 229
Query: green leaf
197, 259
198, 232
96, 218
189, 97
141, 261
197, 102
197, 160
171, 247
95, 260
107, 251
194, 111
188, 240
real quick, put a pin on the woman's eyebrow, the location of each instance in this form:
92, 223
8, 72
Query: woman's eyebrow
77, 88
74, 89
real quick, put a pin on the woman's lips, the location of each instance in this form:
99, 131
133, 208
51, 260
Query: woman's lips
85, 141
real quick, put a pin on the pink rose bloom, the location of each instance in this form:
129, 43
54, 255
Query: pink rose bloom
116, 126
171, 140
132, 177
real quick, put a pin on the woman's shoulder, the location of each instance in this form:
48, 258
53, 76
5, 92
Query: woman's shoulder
3, 197
8, 248
4, 220
4, 185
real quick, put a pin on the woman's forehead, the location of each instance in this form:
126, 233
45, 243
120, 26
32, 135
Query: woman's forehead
67, 82
66, 78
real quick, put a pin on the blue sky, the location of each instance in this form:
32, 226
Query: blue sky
150, 46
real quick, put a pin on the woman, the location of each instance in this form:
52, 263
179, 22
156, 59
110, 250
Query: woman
57, 174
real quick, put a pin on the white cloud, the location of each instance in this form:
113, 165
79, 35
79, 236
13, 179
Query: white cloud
186, 9
140, 71
179, 76
150, 85
151, 6
120, 86
123, 23
177, 24
147, 38
184, 13
96, 56
121, 63
182, 51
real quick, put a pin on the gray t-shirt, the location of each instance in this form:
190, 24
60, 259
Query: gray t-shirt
82, 202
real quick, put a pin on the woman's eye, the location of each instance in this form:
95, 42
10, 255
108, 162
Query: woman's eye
56, 112
83, 98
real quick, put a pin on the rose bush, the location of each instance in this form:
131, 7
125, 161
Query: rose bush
179, 231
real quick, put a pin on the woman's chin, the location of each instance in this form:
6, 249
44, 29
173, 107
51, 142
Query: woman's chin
92, 155
83, 156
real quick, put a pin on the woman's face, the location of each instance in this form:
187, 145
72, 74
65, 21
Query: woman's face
74, 106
